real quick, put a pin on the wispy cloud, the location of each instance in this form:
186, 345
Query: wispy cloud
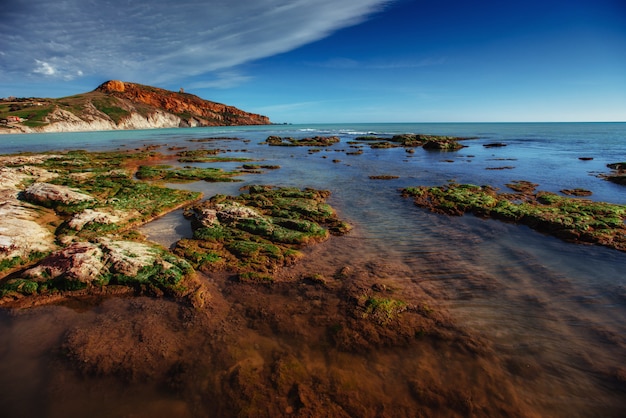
158, 41
349, 63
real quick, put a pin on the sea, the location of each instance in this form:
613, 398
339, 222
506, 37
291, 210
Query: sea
553, 312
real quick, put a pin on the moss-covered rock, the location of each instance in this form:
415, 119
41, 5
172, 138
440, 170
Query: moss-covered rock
316, 141
82, 265
258, 231
432, 142
185, 174
568, 218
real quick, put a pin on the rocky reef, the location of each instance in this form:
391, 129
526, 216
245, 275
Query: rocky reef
257, 232
68, 222
572, 219
428, 142
316, 141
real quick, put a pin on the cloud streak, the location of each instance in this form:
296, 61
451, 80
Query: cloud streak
156, 41
350, 64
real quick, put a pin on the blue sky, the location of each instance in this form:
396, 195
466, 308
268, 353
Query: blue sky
305, 61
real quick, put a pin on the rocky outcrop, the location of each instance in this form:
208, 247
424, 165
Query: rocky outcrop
192, 110
316, 141
78, 262
443, 145
20, 234
46, 193
618, 176
88, 216
121, 105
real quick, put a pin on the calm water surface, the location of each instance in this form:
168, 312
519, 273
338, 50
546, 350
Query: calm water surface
554, 312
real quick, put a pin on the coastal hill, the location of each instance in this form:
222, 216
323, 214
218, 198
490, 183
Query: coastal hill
119, 105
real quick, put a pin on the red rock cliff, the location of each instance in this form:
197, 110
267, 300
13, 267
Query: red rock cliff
192, 109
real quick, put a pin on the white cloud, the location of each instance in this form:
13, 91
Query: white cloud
44, 68
159, 41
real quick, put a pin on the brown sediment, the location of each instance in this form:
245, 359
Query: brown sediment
312, 343
299, 347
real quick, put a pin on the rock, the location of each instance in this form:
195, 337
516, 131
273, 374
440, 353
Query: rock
20, 235
619, 176
120, 105
617, 166
576, 192
234, 211
207, 217
112, 86
316, 141
494, 145
128, 257
202, 112
443, 145
46, 193
79, 262
89, 215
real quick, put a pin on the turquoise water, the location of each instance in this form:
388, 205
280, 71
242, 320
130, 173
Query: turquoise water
557, 306
545, 153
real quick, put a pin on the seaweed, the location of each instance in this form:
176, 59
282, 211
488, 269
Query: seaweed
568, 218
258, 231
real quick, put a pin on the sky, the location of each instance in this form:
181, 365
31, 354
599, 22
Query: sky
332, 61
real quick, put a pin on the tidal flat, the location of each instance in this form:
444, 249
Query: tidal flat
300, 285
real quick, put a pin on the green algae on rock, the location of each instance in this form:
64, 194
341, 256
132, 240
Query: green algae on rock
87, 202
259, 231
82, 265
572, 219
429, 142
316, 141
185, 174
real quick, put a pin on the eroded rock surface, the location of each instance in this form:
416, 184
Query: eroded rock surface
47, 193
79, 262
20, 234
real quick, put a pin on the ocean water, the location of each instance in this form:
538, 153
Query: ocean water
554, 312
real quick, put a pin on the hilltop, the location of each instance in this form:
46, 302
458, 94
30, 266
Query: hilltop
119, 105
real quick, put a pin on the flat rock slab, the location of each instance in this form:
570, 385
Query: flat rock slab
46, 192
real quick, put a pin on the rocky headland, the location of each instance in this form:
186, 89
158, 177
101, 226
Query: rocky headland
119, 105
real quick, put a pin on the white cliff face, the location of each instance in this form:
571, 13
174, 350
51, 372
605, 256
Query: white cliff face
158, 119
63, 121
